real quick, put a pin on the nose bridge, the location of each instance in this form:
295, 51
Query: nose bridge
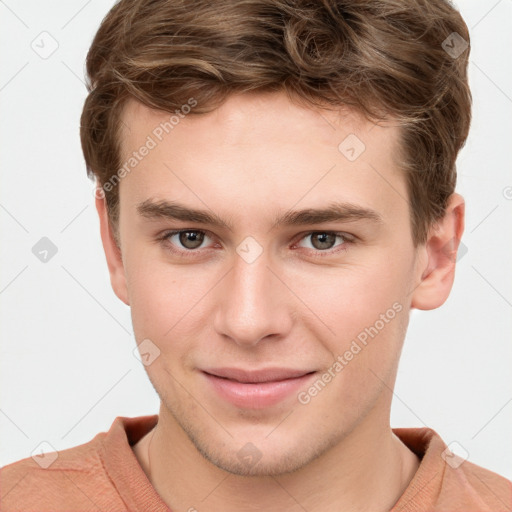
251, 304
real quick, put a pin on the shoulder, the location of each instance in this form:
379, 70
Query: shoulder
480, 488
102, 474
70, 479
449, 482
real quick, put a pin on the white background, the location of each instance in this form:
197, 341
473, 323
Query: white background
67, 367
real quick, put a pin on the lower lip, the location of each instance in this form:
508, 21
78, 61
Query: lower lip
259, 395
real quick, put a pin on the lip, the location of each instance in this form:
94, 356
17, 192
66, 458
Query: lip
256, 389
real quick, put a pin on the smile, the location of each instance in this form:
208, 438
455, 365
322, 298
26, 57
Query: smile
256, 389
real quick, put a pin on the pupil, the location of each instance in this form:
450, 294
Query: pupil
191, 239
325, 240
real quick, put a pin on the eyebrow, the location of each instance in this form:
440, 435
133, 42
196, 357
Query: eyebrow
333, 212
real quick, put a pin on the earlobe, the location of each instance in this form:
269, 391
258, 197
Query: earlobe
436, 277
112, 252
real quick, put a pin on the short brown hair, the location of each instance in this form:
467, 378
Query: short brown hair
385, 58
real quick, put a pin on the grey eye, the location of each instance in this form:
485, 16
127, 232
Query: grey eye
322, 240
190, 239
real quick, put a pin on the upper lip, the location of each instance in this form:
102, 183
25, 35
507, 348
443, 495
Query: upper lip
255, 376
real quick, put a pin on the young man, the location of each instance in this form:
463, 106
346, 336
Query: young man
276, 193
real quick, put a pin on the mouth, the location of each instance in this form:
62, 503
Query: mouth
256, 389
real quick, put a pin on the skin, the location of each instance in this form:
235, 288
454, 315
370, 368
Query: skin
250, 161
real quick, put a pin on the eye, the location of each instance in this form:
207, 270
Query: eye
188, 239
324, 240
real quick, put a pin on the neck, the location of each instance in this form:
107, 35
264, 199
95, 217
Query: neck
368, 470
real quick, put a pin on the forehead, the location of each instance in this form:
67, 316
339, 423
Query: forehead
261, 148
244, 118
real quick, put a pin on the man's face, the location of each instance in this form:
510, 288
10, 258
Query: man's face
258, 294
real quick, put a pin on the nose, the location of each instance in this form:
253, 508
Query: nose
253, 304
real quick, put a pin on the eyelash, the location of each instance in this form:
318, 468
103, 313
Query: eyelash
186, 253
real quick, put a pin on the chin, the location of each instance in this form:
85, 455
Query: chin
250, 461
262, 454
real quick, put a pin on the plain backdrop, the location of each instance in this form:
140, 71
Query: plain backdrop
67, 363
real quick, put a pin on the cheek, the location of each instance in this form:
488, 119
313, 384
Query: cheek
167, 301
365, 360
365, 307
349, 299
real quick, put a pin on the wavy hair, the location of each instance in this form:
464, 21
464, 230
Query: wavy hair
385, 58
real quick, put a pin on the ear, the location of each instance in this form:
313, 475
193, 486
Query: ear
437, 275
112, 251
